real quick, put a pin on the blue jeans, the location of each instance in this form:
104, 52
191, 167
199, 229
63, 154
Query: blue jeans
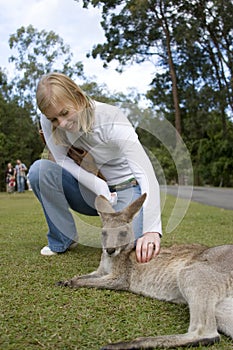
20, 183
58, 191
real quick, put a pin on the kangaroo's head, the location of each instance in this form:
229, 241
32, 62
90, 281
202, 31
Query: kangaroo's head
117, 230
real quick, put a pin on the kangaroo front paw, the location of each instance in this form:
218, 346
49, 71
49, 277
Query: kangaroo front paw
64, 283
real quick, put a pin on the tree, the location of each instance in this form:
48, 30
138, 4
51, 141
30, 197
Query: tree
136, 31
35, 53
211, 25
189, 42
212, 156
38, 53
19, 137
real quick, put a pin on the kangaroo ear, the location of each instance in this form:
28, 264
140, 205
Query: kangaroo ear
102, 205
134, 207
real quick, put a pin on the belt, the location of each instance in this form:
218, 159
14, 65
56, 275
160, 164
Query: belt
124, 185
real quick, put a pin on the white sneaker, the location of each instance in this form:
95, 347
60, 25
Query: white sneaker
47, 251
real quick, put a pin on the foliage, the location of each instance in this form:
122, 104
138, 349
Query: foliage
38, 53
137, 31
189, 42
36, 314
190, 45
212, 155
19, 137
35, 53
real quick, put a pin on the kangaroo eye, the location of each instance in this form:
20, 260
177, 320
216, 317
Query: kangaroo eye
123, 233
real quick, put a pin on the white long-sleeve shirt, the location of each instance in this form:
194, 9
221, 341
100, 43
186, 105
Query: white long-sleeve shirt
119, 155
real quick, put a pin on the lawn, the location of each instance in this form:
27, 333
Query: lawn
36, 314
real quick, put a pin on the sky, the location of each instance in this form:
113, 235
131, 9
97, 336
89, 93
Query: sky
80, 29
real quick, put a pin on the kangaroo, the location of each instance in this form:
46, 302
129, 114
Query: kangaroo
194, 274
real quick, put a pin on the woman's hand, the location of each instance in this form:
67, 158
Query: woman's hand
148, 246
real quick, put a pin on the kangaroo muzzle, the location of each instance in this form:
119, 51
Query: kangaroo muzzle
110, 251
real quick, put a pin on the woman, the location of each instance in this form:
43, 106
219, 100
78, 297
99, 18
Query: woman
70, 117
10, 178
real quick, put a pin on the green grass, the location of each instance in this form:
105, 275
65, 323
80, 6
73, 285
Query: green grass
36, 314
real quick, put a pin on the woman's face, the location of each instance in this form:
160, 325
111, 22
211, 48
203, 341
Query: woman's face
63, 117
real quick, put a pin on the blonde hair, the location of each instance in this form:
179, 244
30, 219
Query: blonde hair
57, 87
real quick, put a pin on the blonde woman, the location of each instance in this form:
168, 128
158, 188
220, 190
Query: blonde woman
70, 117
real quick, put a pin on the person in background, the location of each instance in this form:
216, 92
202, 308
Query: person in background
20, 174
10, 178
71, 118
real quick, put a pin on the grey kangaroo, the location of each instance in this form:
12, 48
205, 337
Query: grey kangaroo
199, 276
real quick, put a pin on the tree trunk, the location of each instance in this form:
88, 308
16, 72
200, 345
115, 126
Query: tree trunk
172, 69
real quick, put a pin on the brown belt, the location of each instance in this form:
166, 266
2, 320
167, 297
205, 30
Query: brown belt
124, 185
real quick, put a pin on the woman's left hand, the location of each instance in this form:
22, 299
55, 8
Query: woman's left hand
148, 246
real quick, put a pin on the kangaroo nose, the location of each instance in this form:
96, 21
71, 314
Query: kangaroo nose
110, 251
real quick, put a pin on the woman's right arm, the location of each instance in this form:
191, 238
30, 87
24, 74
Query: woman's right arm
59, 152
